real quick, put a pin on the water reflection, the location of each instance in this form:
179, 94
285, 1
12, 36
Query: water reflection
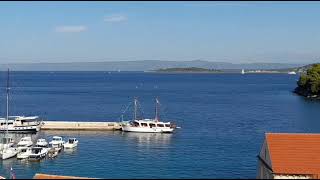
70, 151
79, 133
148, 138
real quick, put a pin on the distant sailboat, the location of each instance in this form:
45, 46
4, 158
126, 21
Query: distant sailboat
242, 71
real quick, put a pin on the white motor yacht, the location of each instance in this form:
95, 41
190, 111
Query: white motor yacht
71, 143
42, 143
57, 143
38, 153
19, 123
9, 152
24, 152
25, 142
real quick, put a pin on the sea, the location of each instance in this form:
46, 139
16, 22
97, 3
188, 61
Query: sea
223, 120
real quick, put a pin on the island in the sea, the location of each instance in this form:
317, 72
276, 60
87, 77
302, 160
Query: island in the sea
187, 70
309, 82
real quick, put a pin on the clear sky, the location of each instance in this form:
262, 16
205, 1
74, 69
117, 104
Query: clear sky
287, 32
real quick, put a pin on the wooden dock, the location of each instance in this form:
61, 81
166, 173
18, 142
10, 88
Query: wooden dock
78, 125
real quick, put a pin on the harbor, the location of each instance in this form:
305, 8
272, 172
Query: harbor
87, 107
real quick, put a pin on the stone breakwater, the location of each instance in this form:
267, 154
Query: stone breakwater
76, 125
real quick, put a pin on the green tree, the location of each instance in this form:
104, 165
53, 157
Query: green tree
310, 83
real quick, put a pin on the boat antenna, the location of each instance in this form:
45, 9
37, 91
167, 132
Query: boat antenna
7, 99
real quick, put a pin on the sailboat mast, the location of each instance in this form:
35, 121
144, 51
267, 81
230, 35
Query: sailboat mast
7, 100
135, 108
157, 111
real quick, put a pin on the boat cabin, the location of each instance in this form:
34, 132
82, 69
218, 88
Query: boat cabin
56, 138
41, 141
24, 149
150, 123
26, 139
72, 140
36, 150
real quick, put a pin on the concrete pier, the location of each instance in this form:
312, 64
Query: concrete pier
73, 125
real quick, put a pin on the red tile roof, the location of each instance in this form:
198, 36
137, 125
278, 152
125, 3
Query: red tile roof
294, 153
47, 176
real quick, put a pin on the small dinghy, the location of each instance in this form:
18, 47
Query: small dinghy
72, 143
52, 153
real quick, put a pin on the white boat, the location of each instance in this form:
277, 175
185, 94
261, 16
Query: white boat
242, 71
38, 153
57, 143
41, 143
6, 148
52, 153
72, 143
9, 152
147, 125
292, 72
19, 123
6, 142
24, 152
24, 142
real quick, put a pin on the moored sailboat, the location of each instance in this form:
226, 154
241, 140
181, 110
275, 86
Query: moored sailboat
7, 151
148, 125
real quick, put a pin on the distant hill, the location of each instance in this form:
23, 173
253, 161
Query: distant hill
143, 65
301, 69
188, 70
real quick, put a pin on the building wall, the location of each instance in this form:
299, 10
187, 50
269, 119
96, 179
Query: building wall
264, 154
280, 176
263, 172
264, 166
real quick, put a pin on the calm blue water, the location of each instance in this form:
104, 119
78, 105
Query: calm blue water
223, 119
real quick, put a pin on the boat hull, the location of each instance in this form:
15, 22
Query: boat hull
21, 129
70, 146
9, 153
146, 129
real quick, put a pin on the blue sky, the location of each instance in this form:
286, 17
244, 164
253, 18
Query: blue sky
237, 32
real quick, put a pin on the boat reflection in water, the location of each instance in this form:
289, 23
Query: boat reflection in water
148, 138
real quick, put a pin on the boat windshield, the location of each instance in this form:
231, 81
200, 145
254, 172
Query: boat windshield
36, 150
56, 139
23, 150
71, 141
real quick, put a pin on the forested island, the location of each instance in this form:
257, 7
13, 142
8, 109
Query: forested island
309, 83
188, 70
